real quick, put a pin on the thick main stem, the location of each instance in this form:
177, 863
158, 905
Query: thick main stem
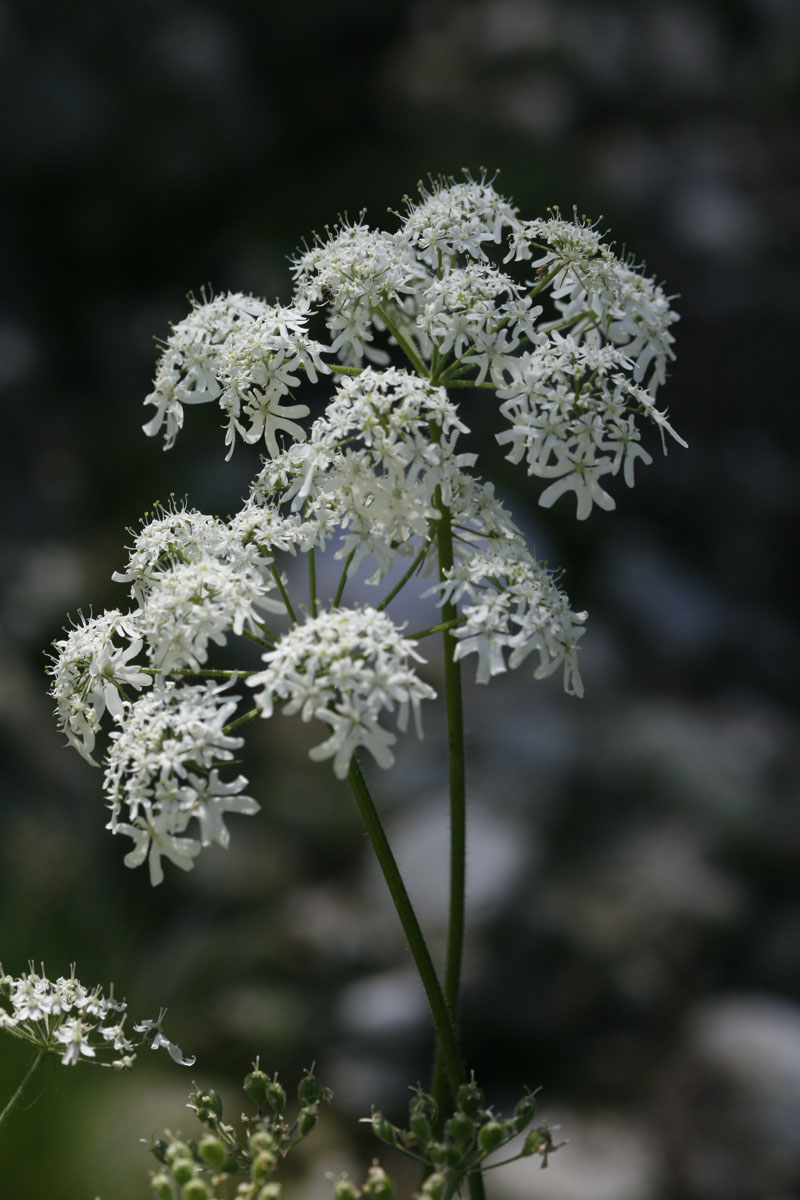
446, 1038
458, 805
22, 1088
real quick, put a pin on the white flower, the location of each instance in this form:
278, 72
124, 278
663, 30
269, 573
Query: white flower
200, 602
88, 671
153, 1029
457, 219
572, 407
170, 535
241, 352
354, 271
52, 1017
345, 668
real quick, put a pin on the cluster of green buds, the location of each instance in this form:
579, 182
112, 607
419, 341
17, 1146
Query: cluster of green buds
203, 1168
457, 1148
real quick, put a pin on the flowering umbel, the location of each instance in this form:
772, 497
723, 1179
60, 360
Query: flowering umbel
64, 1018
465, 303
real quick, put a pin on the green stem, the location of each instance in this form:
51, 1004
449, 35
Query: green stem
23, 1087
412, 570
345, 571
339, 370
403, 343
312, 581
442, 627
448, 1047
248, 716
457, 775
276, 575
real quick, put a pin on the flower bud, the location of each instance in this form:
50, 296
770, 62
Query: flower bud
207, 1105
256, 1085
523, 1113
307, 1120
343, 1189
270, 1191
262, 1141
536, 1141
262, 1166
491, 1135
308, 1089
461, 1128
469, 1098
434, 1185
378, 1184
176, 1150
162, 1187
383, 1128
183, 1170
420, 1127
196, 1189
212, 1151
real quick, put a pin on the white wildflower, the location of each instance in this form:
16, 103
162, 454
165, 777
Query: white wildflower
88, 671
345, 667
65, 1018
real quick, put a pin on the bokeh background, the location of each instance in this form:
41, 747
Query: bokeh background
635, 858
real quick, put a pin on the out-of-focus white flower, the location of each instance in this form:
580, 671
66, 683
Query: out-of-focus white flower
65, 1018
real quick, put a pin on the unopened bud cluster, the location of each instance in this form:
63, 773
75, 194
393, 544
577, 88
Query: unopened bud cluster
457, 1146
206, 1167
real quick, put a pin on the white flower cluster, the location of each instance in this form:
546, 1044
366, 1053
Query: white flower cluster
163, 768
370, 467
243, 353
196, 580
539, 320
508, 600
75, 1022
345, 667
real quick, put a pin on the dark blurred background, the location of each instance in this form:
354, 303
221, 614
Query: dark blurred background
635, 939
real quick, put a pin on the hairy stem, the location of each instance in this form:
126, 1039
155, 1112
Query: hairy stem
23, 1087
448, 1047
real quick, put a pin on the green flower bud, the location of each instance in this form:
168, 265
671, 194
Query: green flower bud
212, 1151
262, 1166
469, 1098
461, 1128
159, 1150
434, 1185
176, 1150
307, 1120
421, 1127
262, 1141
524, 1111
383, 1128
491, 1135
196, 1189
536, 1141
308, 1089
436, 1152
378, 1184
207, 1105
270, 1191
162, 1187
183, 1170
276, 1095
256, 1085
424, 1105
343, 1189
